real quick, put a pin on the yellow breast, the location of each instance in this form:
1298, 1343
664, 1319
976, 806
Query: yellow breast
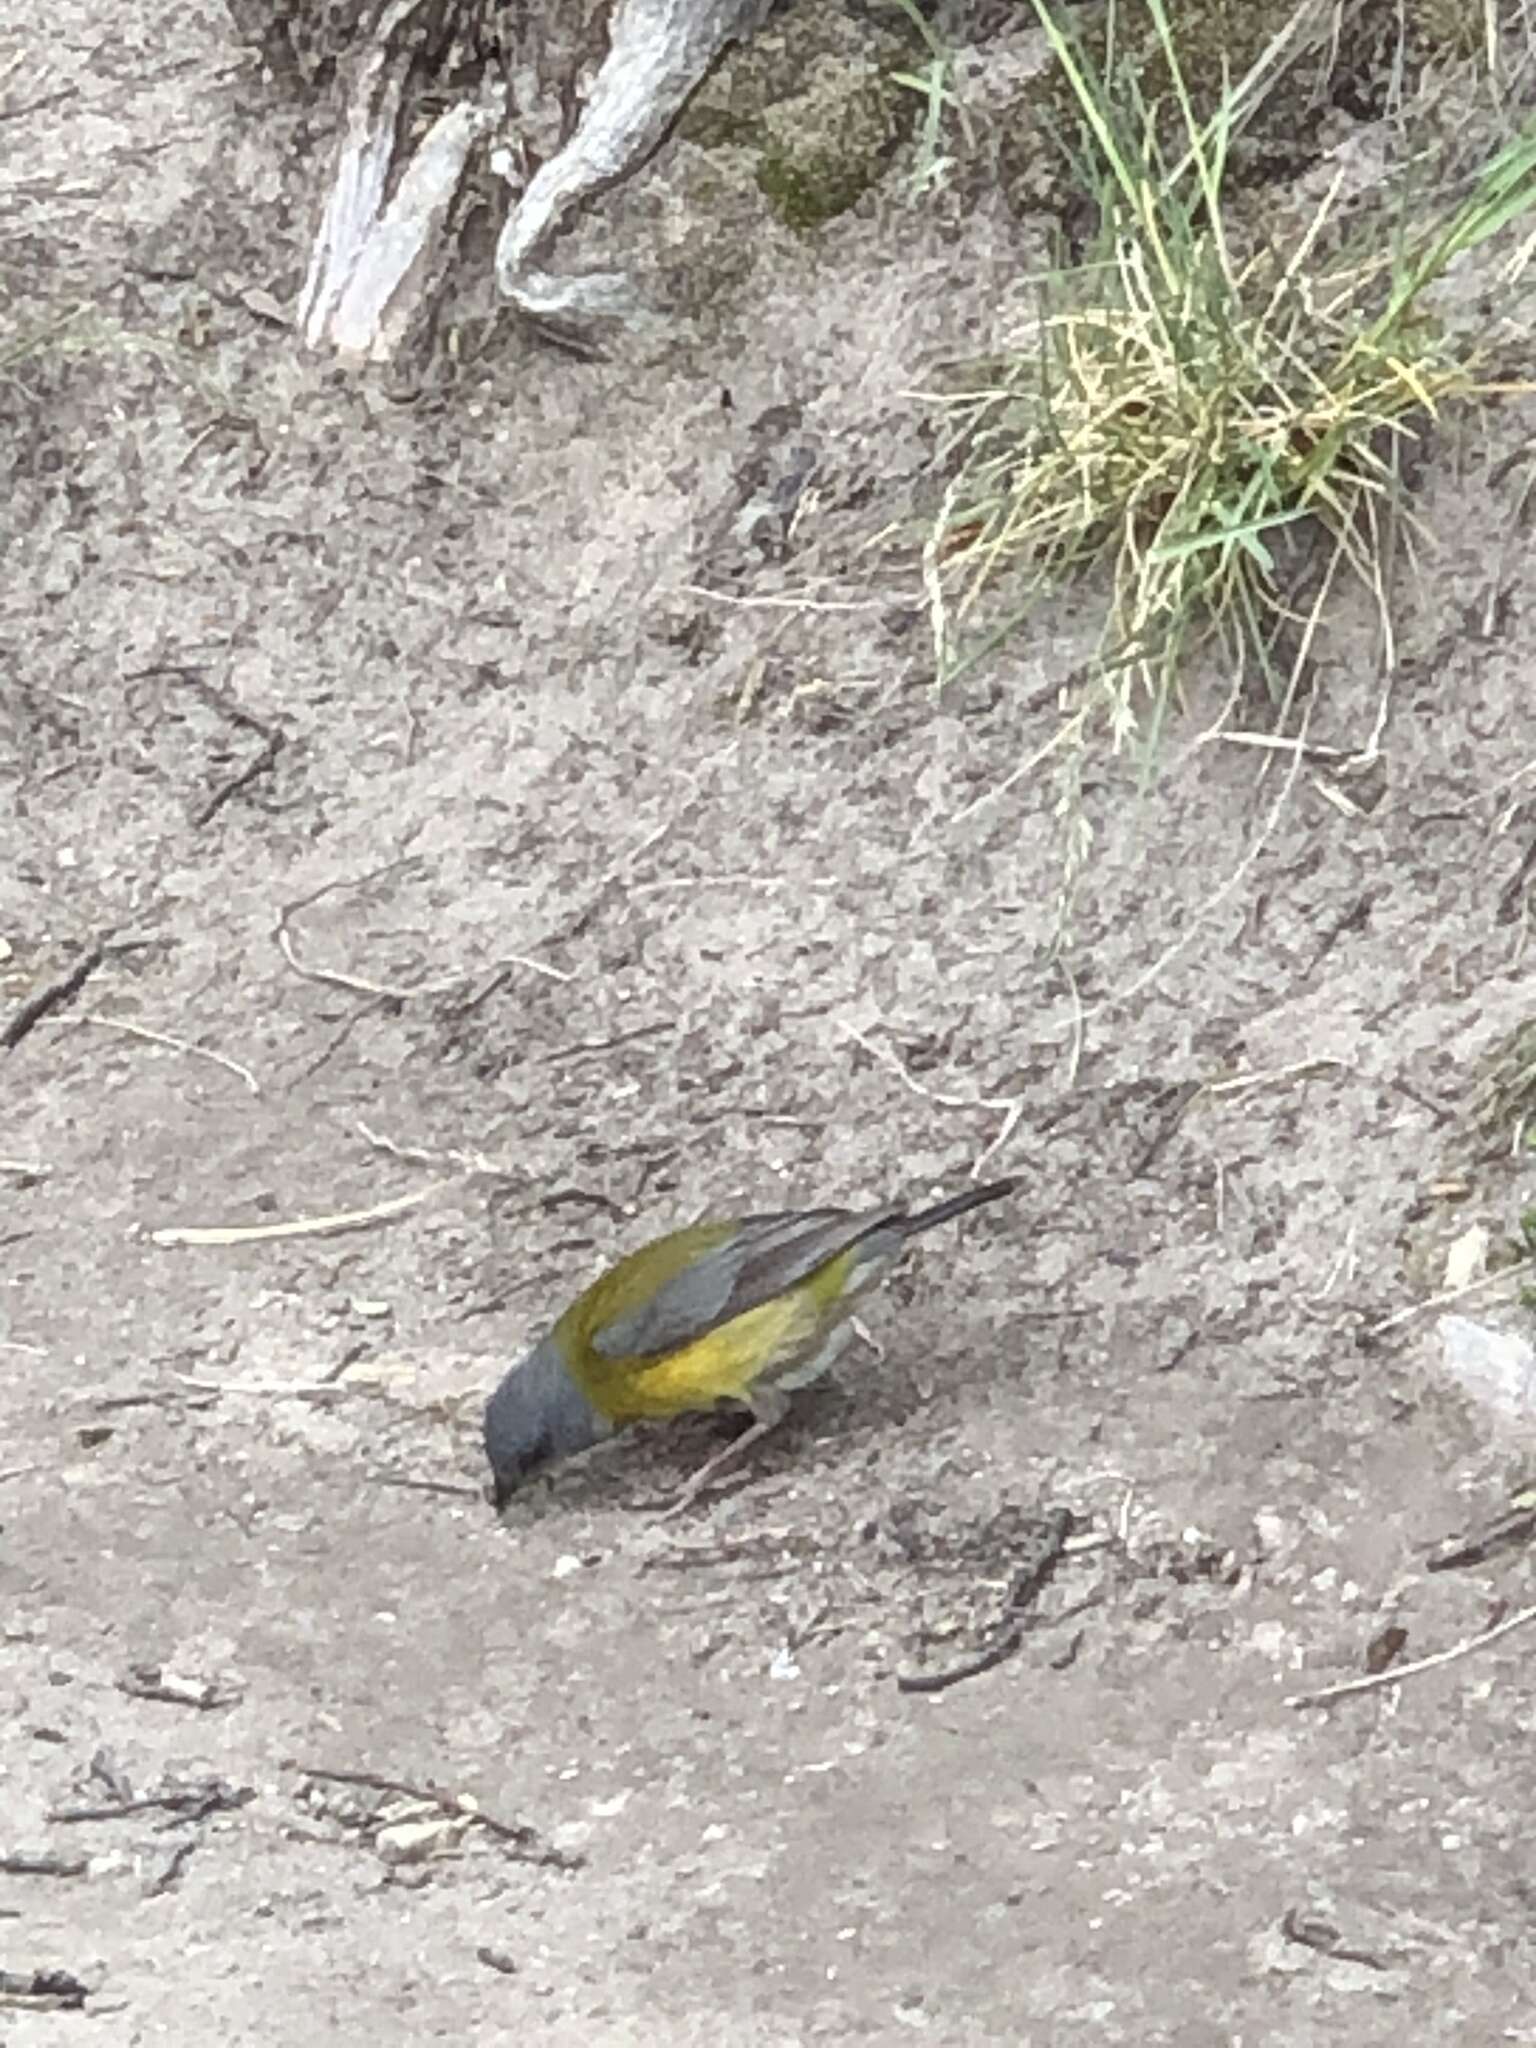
723, 1365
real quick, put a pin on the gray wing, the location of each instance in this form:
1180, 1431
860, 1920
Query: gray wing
766, 1256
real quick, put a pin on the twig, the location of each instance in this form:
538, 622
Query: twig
1433, 1301
1514, 888
1311, 1930
501, 1202
304, 1226
445, 1486
1075, 1045
1515, 1526
112, 1404
169, 1875
518, 1835
273, 738
334, 977
174, 1044
1282, 743
1011, 1105
41, 1863
574, 926
473, 1165
668, 884
21, 1471
1025, 1589
476, 1166
889, 1057
261, 764
49, 100
1299, 1070
174, 1689
42, 1991
298, 1390
584, 1046
357, 984
984, 1660
682, 1557
1396, 1673
26, 1169
797, 604
1180, 1099
538, 967
196, 1801
333, 1044
411, 1155
53, 995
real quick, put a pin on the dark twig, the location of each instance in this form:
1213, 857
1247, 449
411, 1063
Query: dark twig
49, 100
1028, 1582
1515, 1527
163, 1397
508, 1200
972, 1667
1173, 1109
53, 995
169, 1875
1311, 1930
41, 1863
447, 1486
192, 1802
260, 764
583, 1047
194, 675
106, 1772
1514, 889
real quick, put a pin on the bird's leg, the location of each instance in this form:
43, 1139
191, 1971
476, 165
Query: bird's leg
768, 1411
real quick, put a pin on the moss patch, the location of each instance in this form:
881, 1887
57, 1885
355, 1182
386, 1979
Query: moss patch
811, 99
828, 146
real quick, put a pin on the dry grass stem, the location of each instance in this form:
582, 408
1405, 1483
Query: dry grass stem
1396, 1673
306, 1226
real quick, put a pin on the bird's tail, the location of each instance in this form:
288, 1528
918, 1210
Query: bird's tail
954, 1205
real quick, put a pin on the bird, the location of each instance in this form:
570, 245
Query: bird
741, 1312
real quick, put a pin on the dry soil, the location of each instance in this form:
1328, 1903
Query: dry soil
472, 811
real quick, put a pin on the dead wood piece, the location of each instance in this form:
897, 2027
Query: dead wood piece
521, 1839
179, 1689
42, 1991
658, 52
40, 1863
377, 257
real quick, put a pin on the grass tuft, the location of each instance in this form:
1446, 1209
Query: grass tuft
1190, 395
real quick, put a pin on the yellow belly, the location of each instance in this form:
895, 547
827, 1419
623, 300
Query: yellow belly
724, 1365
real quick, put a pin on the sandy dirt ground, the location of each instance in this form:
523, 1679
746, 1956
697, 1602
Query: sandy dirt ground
464, 853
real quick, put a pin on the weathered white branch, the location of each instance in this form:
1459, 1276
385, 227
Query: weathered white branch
373, 265
658, 51
396, 264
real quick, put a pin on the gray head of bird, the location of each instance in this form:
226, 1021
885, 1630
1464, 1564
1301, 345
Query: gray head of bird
536, 1416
